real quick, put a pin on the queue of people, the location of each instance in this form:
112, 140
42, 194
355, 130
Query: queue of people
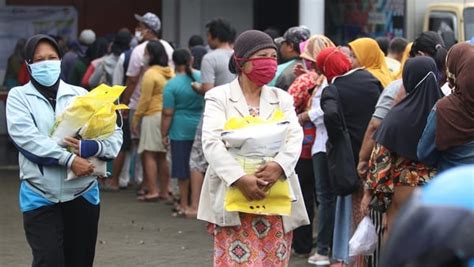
363, 130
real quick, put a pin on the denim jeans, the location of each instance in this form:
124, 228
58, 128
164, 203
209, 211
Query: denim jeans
342, 229
327, 201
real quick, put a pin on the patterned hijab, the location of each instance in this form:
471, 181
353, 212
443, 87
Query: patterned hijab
455, 113
369, 55
314, 45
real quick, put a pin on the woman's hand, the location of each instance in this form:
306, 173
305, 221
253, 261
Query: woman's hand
73, 143
365, 202
299, 70
135, 129
166, 142
270, 172
362, 169
251, 187
303, 118
197, 87
82, 167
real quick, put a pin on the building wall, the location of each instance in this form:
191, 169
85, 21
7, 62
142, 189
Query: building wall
183, 18
103, 16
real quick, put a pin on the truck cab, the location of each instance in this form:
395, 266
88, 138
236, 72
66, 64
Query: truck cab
453, 21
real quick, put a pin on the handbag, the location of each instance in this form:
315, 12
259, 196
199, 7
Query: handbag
343, 176
277, 201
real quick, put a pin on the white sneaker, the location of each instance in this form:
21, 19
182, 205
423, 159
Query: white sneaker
319, 260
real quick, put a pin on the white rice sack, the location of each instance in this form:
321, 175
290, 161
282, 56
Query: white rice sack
263, 140
99, 170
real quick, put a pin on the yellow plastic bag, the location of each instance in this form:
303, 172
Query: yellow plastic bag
95, 111
247, 121
102, 124
278, 199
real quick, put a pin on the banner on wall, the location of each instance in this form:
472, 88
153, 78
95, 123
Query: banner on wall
21, 22
347, 20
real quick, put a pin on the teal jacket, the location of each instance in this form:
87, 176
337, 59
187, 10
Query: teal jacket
43, 163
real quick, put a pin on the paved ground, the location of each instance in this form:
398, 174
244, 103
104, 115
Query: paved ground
130, 233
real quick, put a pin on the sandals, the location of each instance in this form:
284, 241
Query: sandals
106, 187
147, 198
141, 192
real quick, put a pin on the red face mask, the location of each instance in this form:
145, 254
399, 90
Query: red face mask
263, 70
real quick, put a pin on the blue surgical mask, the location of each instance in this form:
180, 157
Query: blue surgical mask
46, 72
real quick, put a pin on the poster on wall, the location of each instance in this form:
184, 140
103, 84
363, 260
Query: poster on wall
18, 22
347, 20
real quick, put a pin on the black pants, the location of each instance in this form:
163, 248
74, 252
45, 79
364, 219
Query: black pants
303, 235
63, 234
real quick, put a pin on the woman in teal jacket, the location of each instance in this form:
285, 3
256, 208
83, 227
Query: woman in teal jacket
60, 216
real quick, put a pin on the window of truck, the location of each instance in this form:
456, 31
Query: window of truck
443, 21
469, 23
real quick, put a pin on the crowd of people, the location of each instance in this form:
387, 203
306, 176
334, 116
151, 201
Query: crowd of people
368, 123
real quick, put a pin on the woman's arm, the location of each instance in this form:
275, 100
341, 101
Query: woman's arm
426, 151
367, 146
330, 106
32, 144
166, 119
145, 98
220, 160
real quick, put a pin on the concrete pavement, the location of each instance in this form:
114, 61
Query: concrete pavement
130, 233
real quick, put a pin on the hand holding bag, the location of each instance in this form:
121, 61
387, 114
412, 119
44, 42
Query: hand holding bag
277, 201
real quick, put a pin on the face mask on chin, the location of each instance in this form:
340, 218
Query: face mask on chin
46, 72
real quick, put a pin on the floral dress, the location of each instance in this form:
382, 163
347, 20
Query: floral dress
387, 170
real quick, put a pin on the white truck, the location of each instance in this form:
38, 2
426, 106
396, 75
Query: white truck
452, 19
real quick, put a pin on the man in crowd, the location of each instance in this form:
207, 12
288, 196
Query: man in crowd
289, 50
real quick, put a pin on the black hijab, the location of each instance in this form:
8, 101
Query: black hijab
401, 129
49, 92
97, 49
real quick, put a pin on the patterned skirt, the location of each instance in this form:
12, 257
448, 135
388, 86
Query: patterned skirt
259, 241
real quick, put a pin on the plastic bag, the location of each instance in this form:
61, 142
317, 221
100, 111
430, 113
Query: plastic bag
364, 240
100, 169
253, 141
102, 124
277, 201
93, 117
255, 137
92, 110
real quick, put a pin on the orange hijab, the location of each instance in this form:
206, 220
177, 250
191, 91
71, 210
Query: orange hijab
369, 55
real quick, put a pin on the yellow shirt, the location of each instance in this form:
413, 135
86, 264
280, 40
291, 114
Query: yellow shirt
393, 65
151, 97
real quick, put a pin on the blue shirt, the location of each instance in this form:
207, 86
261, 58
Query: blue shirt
443, 160
279, 71
186, 104
30, 200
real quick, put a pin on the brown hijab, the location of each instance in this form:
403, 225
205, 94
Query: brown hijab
455, 113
